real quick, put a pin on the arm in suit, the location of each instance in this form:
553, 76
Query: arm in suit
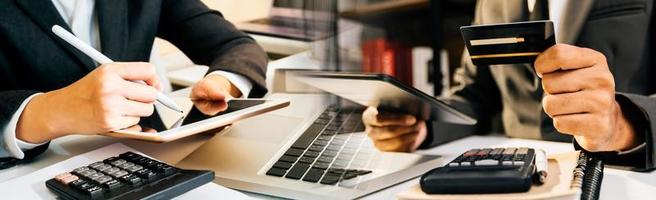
10, 153
473, 92
208, 39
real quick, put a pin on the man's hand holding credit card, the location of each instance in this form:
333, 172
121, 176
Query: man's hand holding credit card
519, 42
579, 88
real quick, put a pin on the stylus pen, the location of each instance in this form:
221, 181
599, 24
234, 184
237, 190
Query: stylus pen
102, 59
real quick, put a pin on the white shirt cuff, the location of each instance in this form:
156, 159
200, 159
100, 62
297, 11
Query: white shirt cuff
15, 146
241, 83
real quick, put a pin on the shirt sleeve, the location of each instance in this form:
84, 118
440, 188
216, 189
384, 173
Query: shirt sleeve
241, 83
14, 146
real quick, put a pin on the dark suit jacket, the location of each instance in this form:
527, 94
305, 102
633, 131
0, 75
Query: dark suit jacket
33, 60
623, 30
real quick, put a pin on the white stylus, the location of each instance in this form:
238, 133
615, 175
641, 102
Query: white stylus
102, 59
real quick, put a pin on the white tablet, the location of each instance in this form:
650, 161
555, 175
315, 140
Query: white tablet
166, 125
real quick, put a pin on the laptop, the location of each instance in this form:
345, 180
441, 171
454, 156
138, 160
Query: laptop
314, 149
301, 20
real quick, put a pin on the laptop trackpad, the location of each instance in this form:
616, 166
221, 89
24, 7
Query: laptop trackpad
267, 128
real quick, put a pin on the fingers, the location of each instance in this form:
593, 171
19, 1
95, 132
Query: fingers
137, 109
371, 117
205, 90
139, 92
564, 81
403, 143
389, 132
210, 108
137, 71
566, 57
118, 123
570, 103
577, 124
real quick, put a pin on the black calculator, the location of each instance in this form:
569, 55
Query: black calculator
480, 171
127, 176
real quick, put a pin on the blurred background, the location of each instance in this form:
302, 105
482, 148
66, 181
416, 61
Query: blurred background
417, 41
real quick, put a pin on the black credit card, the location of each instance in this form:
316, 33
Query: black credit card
509, 43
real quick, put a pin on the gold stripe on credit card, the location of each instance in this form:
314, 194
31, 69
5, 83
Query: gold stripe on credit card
505, 55
495, 41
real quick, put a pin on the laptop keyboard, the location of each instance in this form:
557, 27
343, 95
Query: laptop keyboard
333, 150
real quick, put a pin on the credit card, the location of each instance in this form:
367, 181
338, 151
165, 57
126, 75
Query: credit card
508, 43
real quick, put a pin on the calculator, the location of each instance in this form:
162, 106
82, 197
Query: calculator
480, 171
127, 176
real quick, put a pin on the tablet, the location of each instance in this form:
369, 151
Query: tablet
166, 125
384, 92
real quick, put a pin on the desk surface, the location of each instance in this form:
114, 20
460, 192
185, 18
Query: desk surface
617, 184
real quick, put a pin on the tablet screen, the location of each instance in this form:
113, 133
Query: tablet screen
163, 120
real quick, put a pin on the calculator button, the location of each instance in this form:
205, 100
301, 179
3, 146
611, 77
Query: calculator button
129, 156
125, 165
95, 175
87, 173
146, 174
102, 167
454, 164
150, 163
486, 162
118, 174
93, 192
470, 152
484, 152
134, 168
141, 160
523, 150
83, 186
80, 169
77, 183
69, 179
131, 179
465, 164
101, 180
497, 151
518, 163
112, 184
60, 177
507, 163
164, 169
118, 162
111, 170
110, 160
96, 164
509, 151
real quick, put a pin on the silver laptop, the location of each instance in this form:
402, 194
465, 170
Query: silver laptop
313, 149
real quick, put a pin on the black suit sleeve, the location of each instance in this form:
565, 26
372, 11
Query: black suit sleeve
208, 39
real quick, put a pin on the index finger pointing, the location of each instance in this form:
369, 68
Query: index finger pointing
566, 57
